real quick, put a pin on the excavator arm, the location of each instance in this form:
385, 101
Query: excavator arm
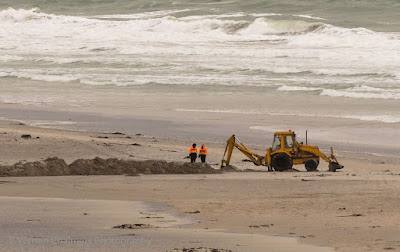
234, 142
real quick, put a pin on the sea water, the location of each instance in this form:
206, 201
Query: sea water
313, 59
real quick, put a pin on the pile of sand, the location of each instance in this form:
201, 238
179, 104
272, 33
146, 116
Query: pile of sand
200, 249
98, 166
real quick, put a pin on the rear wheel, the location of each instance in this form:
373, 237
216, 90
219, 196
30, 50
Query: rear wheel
311, 164
281, 162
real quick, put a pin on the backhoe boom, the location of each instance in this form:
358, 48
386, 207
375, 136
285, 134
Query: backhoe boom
234, 142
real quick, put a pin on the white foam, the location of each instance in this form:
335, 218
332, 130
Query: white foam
362, 95
366, 88
142, 15
265, 14
233, 111
309, 17
4, 74
42, 75
338, 37
32, 100
296, 88
376, 118
63, 60
228, 15
263, 26
8, 58
21, 15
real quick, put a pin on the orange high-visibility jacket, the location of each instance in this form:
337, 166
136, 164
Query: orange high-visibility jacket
203, 150
192, 150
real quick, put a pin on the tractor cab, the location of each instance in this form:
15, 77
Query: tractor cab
284, 142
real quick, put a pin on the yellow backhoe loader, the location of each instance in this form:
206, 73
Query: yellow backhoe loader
284, 153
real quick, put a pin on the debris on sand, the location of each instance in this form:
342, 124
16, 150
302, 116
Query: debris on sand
307, 236
193, 212
98, 166
200, 249
26, 136
133, 226
352, 215
262, 226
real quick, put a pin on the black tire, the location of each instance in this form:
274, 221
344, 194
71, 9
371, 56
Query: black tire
311, 164
281, 162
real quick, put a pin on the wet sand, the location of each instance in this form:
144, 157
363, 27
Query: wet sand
355, 209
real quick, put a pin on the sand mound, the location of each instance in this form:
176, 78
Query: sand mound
48, 167
98, 166
230, 168
200, 249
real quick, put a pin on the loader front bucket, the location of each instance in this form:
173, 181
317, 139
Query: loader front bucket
333, 166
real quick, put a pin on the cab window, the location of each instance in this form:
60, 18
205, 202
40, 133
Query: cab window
276, 144
289, 141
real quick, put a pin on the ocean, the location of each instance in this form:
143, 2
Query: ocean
320, 59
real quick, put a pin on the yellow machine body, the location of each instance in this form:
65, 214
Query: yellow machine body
284, 153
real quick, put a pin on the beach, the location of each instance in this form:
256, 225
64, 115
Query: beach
354, 209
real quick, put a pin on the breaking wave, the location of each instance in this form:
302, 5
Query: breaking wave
364, 92
297, 88
22, 15
159, 22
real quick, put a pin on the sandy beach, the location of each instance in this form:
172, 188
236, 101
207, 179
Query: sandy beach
354, 209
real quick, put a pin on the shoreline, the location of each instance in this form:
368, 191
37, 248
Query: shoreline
356, 136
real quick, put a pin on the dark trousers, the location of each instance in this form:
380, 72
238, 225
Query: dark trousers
193, 157
203, 158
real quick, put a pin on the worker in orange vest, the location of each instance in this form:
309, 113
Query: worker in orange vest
193, 153
203, 153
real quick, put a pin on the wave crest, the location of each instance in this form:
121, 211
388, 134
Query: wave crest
264, 26
22, 15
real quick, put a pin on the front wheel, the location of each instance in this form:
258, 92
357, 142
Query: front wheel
311, 164
281, 162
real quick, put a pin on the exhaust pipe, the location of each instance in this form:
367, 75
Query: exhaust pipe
306, 137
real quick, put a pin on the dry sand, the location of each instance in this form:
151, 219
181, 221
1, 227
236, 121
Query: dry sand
355, 209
